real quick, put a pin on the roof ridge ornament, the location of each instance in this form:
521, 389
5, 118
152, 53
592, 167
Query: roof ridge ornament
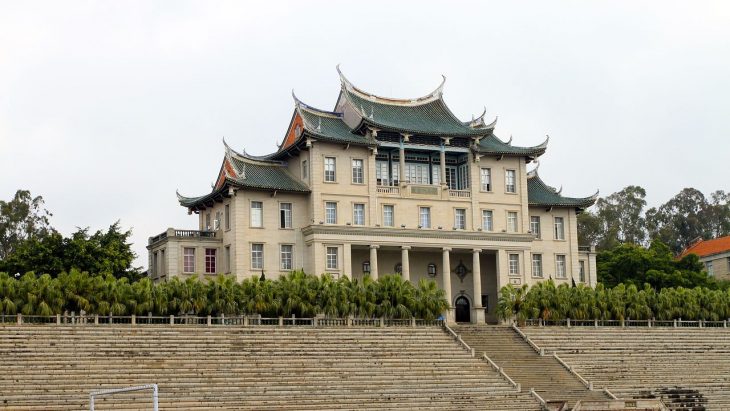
509, 143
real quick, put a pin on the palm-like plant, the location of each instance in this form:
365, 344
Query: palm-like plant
221, 296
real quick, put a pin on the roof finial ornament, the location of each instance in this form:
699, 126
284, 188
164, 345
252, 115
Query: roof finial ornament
560, 190
509, 143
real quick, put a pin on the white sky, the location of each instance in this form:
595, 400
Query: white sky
107, 107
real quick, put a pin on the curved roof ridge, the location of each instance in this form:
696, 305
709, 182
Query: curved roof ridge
263, 160
540, 193
351, 88
300, 105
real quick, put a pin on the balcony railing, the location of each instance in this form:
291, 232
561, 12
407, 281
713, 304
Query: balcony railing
460, 193
174, 233
388, 190
585, 248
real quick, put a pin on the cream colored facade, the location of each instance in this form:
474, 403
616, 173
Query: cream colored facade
347, 245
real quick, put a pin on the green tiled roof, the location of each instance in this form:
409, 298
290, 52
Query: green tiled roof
260, 175
492, 145
251, 173
541, 194
429, 118
328, 126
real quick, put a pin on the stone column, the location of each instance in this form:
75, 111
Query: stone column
402, 163
374, 261
405, 263
477, 316
446, 274
442, 163
347, 260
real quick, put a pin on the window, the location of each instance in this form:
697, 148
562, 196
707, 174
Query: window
329, 169
207, 221
381, 173
510, 181
330, 212
305, 169
512, 221
559, 229
487, 220
188, 260
463, 183
417, 173
460, 218
257, 256
582, 271
710, 269
257, 214
154, 263
286, 254
228, 258
535, 226
210, 260
424, 217
560, 266
358, 214
537, 265
331, 258
228, 216
217, 221
485, 175
285, 215
388, 216
451, 177
514, 264
357, 172
162, 271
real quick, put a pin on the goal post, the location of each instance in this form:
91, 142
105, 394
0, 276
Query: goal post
113, 391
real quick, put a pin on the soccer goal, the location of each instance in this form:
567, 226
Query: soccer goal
113, 391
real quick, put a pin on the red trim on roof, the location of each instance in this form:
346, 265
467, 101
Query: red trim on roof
704, 248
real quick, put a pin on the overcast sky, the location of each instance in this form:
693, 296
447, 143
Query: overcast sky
106, 108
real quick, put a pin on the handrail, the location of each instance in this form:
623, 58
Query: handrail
538, 397
458, 338
527, 339
222, 320
502, 373
650, 323
610, 394
570, 369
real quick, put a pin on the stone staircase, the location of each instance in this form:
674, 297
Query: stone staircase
526, 367
55, 367
688, 368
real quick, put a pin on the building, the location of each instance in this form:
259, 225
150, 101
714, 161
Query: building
381, 186
715, 254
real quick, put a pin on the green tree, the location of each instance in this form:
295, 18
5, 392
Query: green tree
104, 252
21, 219
683, 218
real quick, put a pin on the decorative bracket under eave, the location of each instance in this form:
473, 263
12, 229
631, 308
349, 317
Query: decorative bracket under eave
446, 140
309, 142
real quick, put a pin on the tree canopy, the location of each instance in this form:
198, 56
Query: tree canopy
621, 218
296, 294
21, 219
29, 243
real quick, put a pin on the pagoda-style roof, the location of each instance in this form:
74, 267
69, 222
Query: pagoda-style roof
492, 145
244, 171
427, 115
541, 194
327, 125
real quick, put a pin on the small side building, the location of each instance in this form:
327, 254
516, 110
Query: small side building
715, 254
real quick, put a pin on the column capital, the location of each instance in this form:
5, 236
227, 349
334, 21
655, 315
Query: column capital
374, 246
446, 249
405, 247
476, 250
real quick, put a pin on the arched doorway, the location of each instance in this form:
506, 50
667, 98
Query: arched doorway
462, 308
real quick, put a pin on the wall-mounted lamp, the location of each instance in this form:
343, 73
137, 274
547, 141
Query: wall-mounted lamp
432, 270
366, 267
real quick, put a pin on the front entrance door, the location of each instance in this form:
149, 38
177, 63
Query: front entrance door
463, 311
